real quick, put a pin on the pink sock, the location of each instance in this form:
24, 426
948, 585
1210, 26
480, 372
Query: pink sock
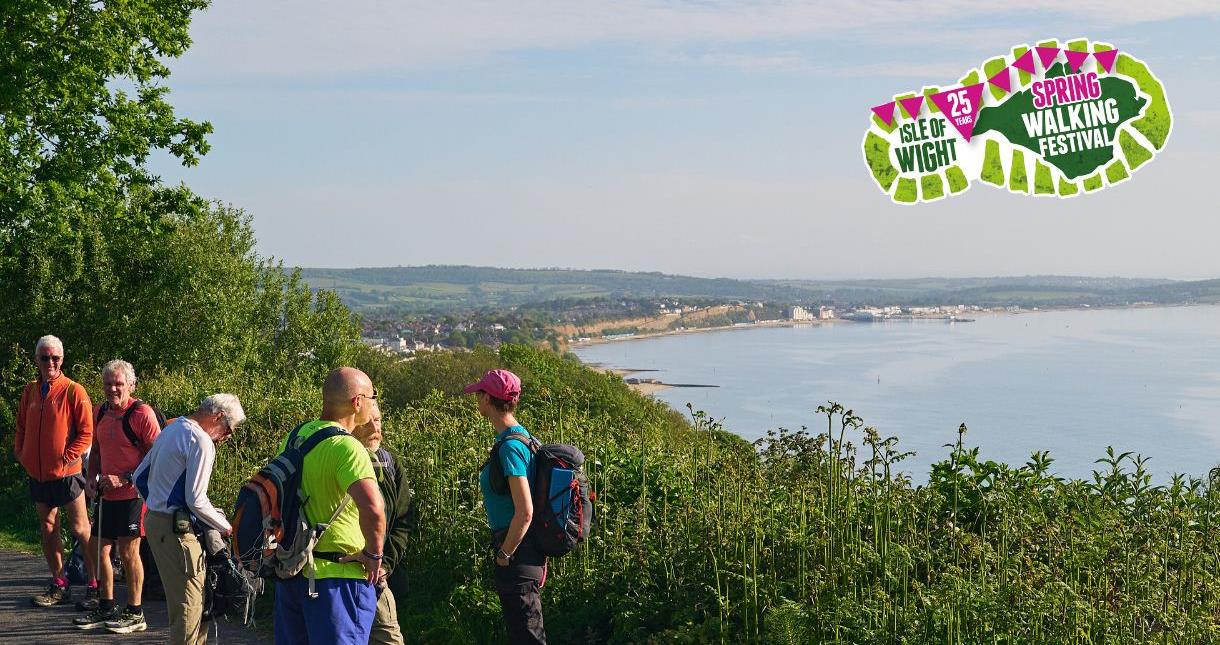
93, 583
62, 582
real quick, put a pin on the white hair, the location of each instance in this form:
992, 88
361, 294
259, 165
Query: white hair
226, 404
122, 367
49, 341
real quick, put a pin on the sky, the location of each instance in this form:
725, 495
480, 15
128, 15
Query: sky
707, 138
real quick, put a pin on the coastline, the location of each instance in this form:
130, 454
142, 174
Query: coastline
642, 388
841, 321
698, 330
653, 388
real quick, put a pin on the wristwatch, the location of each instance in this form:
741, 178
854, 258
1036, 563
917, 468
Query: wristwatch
507, 557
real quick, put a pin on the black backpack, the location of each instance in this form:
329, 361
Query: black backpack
127, 430
271, 535
229, 591
563, 498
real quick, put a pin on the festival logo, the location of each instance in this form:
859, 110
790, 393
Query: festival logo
1045, 121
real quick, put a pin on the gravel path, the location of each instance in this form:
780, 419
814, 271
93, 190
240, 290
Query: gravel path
23, 575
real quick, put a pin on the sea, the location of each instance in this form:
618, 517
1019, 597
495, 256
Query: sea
1071, 382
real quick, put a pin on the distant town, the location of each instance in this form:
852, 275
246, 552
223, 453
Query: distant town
561, 324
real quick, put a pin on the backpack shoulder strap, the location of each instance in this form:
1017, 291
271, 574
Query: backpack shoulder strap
101, 412
497, 475
127, 429
530, 442
389, 466
316, 438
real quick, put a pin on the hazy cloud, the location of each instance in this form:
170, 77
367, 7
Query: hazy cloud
294, 37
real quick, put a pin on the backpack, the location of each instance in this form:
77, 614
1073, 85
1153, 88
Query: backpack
229, 591
563, 498
127, 430
271, 535
74, 565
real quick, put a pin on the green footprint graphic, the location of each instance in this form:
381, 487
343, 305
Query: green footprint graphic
1003, 152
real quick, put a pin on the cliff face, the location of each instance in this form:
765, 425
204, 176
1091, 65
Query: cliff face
650, 323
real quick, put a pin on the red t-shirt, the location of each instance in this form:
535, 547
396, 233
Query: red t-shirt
114, 453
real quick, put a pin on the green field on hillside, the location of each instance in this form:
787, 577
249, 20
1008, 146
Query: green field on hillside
463, 288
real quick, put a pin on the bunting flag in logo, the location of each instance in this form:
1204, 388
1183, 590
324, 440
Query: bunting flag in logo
961, 105
885, 112
911, 105
1046, 55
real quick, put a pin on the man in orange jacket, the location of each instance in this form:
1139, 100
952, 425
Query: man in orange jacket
54, 429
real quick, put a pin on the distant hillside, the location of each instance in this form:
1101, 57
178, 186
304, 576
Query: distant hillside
464, 287
457, 288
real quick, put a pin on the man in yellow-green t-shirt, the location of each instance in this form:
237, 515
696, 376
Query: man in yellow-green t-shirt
348, 555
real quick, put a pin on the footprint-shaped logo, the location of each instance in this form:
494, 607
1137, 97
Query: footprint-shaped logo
1045, 121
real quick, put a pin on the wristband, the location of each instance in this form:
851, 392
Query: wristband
371, 556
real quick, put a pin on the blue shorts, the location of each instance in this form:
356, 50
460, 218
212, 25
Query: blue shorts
342, 613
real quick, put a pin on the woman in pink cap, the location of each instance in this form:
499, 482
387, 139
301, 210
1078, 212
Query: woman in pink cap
505, 481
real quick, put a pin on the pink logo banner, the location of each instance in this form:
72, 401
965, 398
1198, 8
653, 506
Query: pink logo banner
885, 112
911, 105
961, 106
1046, 55
1075, 59
1026, 62
1002, 80
1106, 59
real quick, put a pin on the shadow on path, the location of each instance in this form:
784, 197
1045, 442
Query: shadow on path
22, 576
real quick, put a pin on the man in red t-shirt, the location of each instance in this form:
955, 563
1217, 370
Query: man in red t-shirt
117, 451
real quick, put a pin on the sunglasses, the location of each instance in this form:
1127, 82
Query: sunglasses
46, 358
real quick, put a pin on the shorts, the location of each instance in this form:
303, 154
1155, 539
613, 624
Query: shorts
120, 518
57, 492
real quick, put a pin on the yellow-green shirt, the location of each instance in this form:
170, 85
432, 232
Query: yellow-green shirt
329, 469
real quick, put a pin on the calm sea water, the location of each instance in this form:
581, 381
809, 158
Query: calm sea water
1071, 382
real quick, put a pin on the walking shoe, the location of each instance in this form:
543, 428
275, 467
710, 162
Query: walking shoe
127, 622
54, 595
96, 618
90, 601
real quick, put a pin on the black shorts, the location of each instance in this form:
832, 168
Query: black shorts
57, 492
119, 519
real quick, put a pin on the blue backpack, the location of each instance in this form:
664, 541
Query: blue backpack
563, 498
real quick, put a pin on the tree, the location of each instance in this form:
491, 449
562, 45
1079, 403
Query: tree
82, 105
92, 247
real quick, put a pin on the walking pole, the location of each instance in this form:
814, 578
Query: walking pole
97, 514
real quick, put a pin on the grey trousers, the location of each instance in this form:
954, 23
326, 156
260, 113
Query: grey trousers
385, 621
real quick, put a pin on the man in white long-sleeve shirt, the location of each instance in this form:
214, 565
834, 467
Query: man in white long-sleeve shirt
173, 479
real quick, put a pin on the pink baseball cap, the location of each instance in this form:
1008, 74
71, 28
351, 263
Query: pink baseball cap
501, 384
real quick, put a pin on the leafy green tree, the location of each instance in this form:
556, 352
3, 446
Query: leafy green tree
82, 106
92, 247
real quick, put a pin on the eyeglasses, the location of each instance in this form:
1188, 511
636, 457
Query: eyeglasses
46, 358
366, 396
224, 418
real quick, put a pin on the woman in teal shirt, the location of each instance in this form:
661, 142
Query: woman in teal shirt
505, 483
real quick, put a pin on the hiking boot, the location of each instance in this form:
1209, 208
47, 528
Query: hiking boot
127, 622
54, 595
90, 601
96, 618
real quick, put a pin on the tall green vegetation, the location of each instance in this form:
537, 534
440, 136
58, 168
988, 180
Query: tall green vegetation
803, 537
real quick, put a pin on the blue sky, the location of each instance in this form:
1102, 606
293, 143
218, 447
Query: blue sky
703, 138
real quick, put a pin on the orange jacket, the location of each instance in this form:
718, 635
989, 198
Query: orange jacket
53, 431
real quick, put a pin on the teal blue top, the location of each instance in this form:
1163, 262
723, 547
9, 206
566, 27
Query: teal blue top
516, 460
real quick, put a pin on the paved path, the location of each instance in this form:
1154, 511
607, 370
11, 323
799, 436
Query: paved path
23, 576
